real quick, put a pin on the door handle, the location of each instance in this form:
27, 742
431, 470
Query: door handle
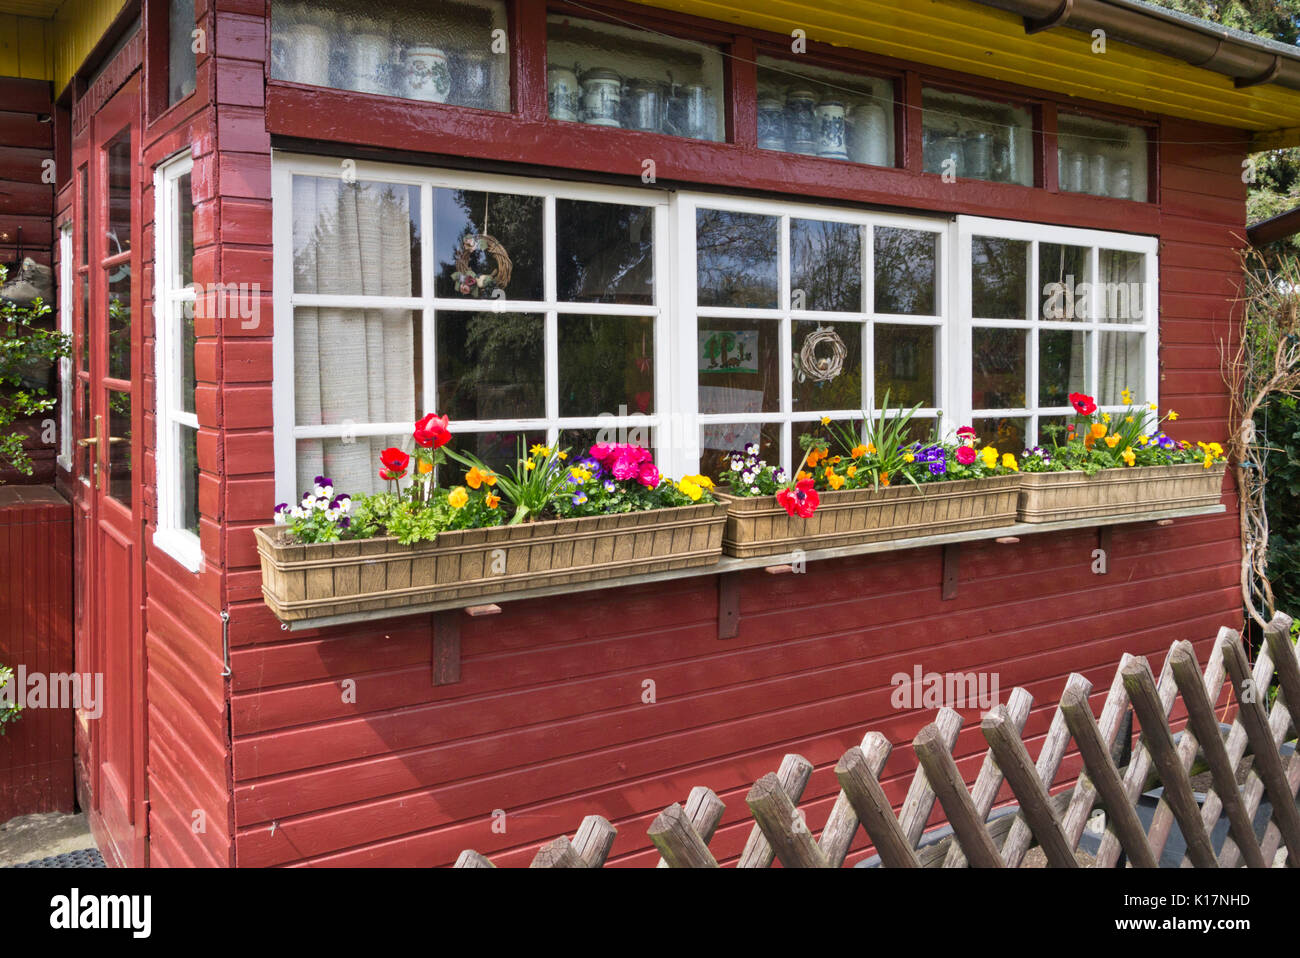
90, 441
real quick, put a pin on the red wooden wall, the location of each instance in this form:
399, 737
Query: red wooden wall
36, 632
26, 221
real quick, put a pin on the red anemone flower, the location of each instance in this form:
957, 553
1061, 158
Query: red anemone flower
1082, 404
432, 431
802, 500
395, 463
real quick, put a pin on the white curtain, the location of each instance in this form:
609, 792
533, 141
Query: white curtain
351, 366
1120, 300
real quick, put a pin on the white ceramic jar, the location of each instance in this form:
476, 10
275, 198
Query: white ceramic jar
427, 75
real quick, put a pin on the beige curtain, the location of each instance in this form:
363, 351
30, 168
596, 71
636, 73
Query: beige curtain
351, 366
1121, 300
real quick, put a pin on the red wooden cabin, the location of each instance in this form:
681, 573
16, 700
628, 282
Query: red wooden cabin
208, 157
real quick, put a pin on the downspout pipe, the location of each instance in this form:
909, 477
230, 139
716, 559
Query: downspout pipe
1247, 59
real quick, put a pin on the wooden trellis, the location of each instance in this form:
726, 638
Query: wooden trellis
1055, 823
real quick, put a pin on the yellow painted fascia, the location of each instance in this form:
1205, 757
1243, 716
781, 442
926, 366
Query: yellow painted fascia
26, 47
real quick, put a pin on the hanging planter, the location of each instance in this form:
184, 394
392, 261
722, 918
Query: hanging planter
1062, 496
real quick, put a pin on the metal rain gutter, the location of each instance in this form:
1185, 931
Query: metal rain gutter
1247, 59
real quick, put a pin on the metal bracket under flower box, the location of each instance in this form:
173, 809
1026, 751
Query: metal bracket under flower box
726, 566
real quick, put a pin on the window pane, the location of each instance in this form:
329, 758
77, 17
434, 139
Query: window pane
185, 319
491, 365
356, 365
1121, 276
352, 462
83, 226
119, 321
1102, 158
188, 480
1062, 366
739, 364
486, 242
905, 365
1051, 430
180, 50
616, 76
998, 368
119, 446
1006, 435
905, 271
718, 440
355, 238
119, 160
828, 113
606, 365
1121, 365
438, 53
83, 322
827, 365
580, 441
500, 450
184, 232
82, 420
999, 278
825, 266
604, 252
736, 257
976, 138
1062, 280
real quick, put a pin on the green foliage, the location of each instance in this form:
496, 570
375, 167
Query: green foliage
24, 346
1278, 425
8, 713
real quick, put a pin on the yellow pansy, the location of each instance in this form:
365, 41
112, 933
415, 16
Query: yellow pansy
990, 457
833, 478
851, 471
458, 497
1128, 456
1209, 460
493, 500
1112, 441
691, 489
704, 482
1009, 462
909, 457
579, 473
1143, 440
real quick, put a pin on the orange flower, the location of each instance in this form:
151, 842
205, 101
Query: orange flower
833, 478
858, 451
884, 478
492, 500
1097, 431
803, 475
477, 477
425, 466
815, 456
1112, 441
851, 471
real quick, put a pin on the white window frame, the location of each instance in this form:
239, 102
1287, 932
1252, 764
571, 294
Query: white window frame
686, 365
171, 300
67, 373
287, 432
967, 227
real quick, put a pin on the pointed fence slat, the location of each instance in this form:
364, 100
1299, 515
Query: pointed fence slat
1253, 792
1201, 719
1104, 777
842, 825
793, 774
704, 812
1048, 764
1268, 764
1035, 803
594, 840
920, 795
678, 842
472, 859
858, 779
940, 769
989, 781
783, 825
1108, 726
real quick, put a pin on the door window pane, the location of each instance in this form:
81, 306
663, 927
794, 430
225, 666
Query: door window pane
118, 455
736, 259
488, 242
606, 365
184, 232
189, 381
118, 157
998, 368
999, 278
827, 366
360, 238
739, 365
119, 321
905, 271
604, 252
620, 77
906, 365
181, 61
438, 53
976, 138
491, 365
825, 266
188, 485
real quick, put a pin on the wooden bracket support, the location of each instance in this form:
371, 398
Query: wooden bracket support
1103, 543
446, 647
778, 569
951, 562
728, 605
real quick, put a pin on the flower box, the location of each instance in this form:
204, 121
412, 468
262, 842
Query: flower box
337, 578
760, 526
1062, 496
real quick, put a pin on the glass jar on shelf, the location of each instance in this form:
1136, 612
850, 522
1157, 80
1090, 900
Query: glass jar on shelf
602, 97
563, 95
801, 121
771, 123
829, 115
868, 134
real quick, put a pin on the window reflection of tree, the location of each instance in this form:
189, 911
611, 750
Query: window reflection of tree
904, 271
736, 257
999, 368
514, 220
826, 264
604, 252
998, 277
490, 365
605, 362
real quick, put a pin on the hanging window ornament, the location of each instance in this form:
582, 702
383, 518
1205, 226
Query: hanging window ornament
814, 363
468, 281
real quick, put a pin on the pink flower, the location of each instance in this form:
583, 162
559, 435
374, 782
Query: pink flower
601, 451
649, 475
966, 434
623, 467
966, 455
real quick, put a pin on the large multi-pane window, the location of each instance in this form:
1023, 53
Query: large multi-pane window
174, 310
690, 322
512, 306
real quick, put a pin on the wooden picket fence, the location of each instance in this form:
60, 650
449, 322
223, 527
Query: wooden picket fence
1053, 822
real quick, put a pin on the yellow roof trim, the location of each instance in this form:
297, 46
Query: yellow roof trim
971, 38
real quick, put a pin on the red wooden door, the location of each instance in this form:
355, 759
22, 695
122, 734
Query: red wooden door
109, 420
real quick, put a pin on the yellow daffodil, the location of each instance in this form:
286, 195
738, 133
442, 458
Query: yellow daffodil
1153, 407
1126, 397
1112, 441
990, 457
561, 455
540, 450
1105, 417
529, 465
1173, 416
1009, 462
1128, 456
458, 497
1128, 418
493, 500
826, 420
